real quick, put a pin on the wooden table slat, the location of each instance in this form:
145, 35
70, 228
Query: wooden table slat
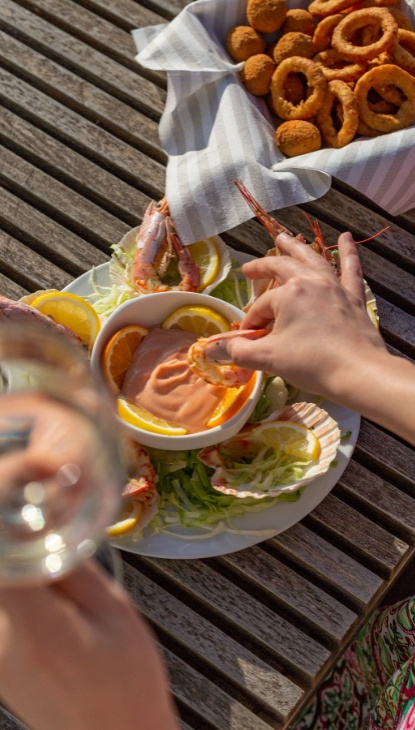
82, 58
94, 103
246, 614
73, 168
310, 605
328, 563
206, 699
267, 686
73, 254
88, 220
394, 507
23, 262
369, 541
83, 134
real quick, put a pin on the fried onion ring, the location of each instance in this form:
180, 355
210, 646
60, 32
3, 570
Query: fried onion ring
401, 19
336, 66
338, 90
322, 8
324, 31
316, 86
387, 74
403, 50
345, 30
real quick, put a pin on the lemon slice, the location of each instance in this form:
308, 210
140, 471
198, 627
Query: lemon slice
137, 416
290, 437
128, 520
231, 403
206, 255
372, 315
118, 354
72, 311
200, 321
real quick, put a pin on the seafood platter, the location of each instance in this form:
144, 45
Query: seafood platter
217, 457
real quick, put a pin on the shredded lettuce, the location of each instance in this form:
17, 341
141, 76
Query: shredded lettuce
233, 289
188, 499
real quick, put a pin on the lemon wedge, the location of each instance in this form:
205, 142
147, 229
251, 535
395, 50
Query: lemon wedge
72, 311
118, 354
200, 321
137, 416
128, 520
206, 255
290, 437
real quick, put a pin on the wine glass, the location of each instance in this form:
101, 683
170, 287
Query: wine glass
61, 475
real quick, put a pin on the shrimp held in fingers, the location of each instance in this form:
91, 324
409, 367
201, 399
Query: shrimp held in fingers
209, 359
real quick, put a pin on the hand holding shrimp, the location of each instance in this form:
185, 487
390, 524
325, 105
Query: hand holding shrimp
319, 321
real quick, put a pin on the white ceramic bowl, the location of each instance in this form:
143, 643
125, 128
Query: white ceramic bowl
150, 311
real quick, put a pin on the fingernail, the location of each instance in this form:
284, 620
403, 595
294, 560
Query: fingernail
284, 237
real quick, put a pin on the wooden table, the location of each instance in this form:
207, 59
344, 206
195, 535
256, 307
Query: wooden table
247, 636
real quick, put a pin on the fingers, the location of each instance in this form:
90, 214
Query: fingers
282, 267
90, 588
352, 275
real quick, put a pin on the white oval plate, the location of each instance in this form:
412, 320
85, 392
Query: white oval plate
258, 526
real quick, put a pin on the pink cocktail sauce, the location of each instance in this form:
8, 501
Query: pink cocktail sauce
160, 381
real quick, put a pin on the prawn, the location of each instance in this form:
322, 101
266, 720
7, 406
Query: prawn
142, 483
157, 241
209, 359
274, 228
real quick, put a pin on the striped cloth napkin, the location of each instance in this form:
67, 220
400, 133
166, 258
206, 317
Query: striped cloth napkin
214, 132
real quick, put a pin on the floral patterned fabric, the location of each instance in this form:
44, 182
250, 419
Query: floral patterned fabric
372, 687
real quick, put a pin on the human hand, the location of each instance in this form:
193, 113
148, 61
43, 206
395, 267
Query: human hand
320, 325
76, 654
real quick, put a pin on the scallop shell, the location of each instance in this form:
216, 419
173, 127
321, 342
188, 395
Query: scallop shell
305, 414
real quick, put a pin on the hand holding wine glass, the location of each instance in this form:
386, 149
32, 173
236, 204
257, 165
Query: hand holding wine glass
60, 472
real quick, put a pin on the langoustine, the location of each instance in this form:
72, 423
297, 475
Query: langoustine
142, 482
157, 241
208, 358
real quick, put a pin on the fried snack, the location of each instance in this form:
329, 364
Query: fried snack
242, 41
401, 19
257, 73
387, 74
375, 4
336, 66
338, 91
297, 137
322, 8
294, 44
403, 50
324, 31
295, 88
266, 16
299, 21
351, 23
316, 88
389, 93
